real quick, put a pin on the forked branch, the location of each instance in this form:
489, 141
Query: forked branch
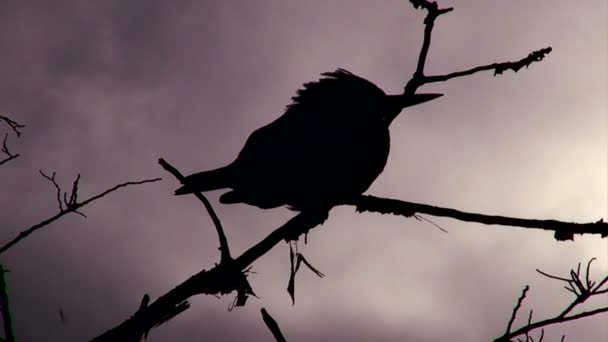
224, 248
70, 205
580, 285
16, 128
419, 78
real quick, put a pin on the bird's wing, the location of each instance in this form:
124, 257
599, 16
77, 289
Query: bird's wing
302, 138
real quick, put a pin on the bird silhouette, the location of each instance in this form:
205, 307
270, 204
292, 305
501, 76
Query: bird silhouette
328, 147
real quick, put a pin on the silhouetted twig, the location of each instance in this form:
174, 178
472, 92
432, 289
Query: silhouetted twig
224, 248
562, 230
419, 78
273, 326
429, 22
499, 68
296, 259
519, 301
72, 206
9, 335
15, 127
582, 287
4, 149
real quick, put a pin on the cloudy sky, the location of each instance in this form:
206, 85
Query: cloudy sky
107, 87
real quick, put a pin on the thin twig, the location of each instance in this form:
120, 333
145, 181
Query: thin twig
9, 335
582, 290
516, 308
224, 248
14, 125
419, 79
556, 320
6, 160
422, 218
4, 149
429, 22
22, 235
51, 179
499, 68
273, 326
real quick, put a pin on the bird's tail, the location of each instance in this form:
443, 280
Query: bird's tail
206, 181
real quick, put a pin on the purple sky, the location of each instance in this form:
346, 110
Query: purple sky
107, 87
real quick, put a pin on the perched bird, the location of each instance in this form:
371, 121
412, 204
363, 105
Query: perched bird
328, 147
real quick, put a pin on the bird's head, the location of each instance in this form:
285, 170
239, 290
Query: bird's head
399, 102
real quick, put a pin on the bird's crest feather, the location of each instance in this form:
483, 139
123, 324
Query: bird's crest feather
335, 87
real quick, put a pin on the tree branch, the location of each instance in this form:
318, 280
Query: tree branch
224, 248
273, 326
6, 151
419, 79
514, 314
9, 335
562, 230
582, 290
15, 127
499, 68
71, 206
429, 22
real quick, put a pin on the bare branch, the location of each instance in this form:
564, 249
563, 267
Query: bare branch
499, 68
14, 125
224, 248
70, 209
52, 180
562, 230
6, 151
9, 335
552, 276
6, 160
582, 290
556, 320
514, 314
419, 79
273, 326
429, 22
597, 289
296, 259
74, 194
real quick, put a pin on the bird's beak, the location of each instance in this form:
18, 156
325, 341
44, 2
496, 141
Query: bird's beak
415, 99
